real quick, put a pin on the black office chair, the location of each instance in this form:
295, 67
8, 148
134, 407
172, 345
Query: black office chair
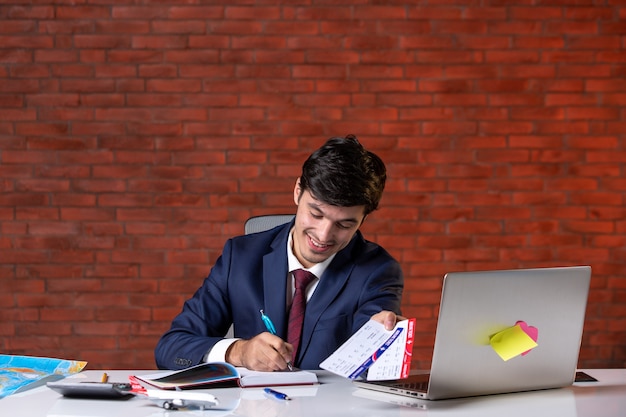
260, 224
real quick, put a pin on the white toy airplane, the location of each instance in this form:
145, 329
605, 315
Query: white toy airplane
173, 400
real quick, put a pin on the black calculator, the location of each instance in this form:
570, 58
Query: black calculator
87, 389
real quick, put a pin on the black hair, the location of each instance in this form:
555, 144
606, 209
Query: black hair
343, 173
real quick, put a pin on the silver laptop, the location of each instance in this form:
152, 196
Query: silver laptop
476, 305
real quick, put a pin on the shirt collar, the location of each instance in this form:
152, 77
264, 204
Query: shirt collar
293, 262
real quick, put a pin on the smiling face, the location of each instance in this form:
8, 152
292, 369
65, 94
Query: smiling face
321, 229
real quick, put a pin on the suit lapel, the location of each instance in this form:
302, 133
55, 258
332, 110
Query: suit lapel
275, 282
329, 288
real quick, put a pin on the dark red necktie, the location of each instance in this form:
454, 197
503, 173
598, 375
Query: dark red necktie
296, 313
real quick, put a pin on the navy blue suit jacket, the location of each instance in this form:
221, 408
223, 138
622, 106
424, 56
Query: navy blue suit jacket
251, 274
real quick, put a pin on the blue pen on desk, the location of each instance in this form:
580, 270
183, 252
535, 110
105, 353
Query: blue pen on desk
276, 394
270, 328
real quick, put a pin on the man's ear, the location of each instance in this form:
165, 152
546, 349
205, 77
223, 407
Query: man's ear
297, 191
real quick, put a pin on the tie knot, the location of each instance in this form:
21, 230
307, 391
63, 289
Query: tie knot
303, 278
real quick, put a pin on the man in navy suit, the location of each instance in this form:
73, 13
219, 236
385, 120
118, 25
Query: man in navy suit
341, 183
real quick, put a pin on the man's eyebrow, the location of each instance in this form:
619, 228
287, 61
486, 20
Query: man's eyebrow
350, 220
316, 207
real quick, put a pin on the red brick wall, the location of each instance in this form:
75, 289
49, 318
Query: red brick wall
135, 138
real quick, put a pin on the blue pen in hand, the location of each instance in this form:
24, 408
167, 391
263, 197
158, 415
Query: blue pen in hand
268, 323
270, 328
276, 394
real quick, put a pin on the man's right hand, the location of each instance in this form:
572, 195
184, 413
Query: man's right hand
264, 352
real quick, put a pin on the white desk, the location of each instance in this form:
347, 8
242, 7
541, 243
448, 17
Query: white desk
336, 396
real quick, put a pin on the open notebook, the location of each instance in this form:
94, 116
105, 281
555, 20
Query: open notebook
221, 374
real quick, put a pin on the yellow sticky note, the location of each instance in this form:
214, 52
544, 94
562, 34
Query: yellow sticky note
511, 342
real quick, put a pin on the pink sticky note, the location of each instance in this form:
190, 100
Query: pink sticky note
531, 331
